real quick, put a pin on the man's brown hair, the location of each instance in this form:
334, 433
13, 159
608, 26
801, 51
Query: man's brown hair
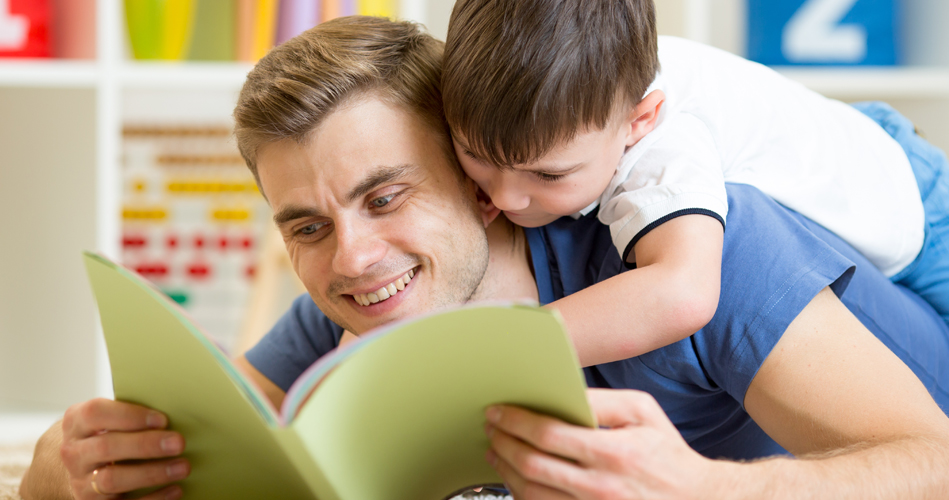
522, 76
298, 84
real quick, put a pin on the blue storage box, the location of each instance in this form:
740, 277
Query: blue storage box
823, 32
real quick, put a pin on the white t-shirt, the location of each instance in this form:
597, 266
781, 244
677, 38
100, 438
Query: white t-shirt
727, 119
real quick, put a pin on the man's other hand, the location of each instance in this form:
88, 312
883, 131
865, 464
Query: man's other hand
639, 455
100, 437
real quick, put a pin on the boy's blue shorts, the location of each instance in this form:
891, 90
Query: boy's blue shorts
928, 274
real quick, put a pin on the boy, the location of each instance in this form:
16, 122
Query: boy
559, 108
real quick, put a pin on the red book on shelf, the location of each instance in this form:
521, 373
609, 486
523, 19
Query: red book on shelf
74, 29
24, 28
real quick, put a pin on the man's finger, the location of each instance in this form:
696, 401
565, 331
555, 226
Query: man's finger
173, 492
535, 466
521, 487
119, 479
116, 446
544, 433
620, 408
91, 417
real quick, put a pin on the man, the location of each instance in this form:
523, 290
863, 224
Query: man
343, 129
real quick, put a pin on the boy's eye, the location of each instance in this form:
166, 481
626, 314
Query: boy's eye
545, 177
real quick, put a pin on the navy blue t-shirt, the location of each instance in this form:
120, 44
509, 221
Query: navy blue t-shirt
774, 263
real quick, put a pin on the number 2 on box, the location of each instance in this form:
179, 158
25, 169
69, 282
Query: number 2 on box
815, 34
13, 28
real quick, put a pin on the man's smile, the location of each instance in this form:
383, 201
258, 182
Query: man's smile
385, 292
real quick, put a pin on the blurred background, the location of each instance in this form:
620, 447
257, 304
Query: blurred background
115, 136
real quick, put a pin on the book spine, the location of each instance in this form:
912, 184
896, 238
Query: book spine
245, 30
382, 8
265, 27
74, 35
178, 18
144, 18
296, 16
213, 34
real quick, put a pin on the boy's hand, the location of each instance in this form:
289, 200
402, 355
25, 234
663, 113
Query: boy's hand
100, 435
489, 212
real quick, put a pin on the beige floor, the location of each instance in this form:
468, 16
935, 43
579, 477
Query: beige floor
15, 458
13, 462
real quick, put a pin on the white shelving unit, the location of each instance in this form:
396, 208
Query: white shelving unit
920, 89
60, 152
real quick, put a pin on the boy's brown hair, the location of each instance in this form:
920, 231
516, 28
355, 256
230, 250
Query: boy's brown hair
298, 84
522, 76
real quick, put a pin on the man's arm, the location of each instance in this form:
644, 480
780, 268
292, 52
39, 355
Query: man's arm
274, 394
832, 392
672, 293
862, 424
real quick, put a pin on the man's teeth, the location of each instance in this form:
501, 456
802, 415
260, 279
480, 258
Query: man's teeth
365, 299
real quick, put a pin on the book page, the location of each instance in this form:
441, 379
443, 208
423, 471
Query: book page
403, 416
161, 361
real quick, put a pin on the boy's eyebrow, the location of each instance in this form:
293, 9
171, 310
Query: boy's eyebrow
381, 175
551, 169
540, 169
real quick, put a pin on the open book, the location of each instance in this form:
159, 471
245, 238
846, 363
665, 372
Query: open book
397, 415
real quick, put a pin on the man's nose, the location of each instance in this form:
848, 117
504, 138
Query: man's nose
358, 248
509, 194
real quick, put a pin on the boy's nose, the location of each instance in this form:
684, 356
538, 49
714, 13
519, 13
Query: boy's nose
509, 196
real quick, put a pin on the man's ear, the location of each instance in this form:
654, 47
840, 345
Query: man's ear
642, 117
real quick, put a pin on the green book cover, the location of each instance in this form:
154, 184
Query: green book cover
397, 415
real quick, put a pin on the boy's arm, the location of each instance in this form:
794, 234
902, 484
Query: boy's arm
672, 293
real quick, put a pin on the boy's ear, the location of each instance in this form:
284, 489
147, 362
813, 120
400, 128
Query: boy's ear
643, 116
489, 212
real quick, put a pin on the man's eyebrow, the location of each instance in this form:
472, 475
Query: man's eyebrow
378, 177
294, 212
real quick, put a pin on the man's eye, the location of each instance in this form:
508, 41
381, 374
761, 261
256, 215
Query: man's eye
312, 228
381, 201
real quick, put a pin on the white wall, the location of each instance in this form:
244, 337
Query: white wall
47, 315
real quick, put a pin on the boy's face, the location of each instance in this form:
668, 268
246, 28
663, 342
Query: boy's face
562, 182
568, 178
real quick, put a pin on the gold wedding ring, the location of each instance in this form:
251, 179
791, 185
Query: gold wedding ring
95, 487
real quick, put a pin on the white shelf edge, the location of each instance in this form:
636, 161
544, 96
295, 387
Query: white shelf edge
873, 82
184, 75
47, 73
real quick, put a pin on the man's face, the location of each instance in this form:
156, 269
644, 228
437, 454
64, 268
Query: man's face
371, 205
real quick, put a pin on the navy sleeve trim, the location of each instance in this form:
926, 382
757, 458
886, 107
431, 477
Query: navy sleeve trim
662, 220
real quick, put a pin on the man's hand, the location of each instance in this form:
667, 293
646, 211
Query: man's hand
641, 455
100, 435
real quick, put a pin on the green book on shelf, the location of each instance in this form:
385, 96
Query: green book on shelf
213, 36
395, 415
